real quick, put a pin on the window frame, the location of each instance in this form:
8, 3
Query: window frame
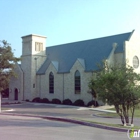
77, 82
51, 83
38, 46
135, 62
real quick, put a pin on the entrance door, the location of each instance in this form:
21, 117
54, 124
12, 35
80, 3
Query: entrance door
16, 94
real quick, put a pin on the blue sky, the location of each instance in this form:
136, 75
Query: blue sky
64, 21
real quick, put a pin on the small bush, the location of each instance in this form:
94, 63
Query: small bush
45, 100
67, 102
40, 101
79, 103
37, 100
56, 101
27, 100
93, 102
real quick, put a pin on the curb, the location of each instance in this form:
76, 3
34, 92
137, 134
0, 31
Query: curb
87, 124
70, 121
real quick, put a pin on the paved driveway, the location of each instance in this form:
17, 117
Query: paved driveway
60, 111
32, 128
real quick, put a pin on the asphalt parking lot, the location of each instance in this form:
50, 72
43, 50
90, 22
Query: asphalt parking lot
59, 111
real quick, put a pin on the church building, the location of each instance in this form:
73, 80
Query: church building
63, 71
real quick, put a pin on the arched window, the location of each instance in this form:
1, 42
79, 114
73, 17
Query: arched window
51, 83
77, 82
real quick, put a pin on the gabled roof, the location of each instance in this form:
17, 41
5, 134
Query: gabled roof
55, 64
82, 62
91, 51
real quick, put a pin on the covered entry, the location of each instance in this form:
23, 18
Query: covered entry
16, 94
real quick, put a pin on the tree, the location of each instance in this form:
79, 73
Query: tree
93, 93
119, 86
7, 62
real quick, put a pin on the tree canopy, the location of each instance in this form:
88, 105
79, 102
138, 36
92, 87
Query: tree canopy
119, 86
7, 62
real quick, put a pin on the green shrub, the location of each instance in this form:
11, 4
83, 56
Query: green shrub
67, 102
93, 102
79, 102
56, 101
45, 100
40, 101
36, 99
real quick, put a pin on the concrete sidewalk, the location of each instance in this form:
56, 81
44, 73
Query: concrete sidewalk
100, 108
7, 101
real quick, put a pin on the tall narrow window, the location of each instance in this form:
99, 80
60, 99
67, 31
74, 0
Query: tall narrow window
51, 83
77, 82
38, 46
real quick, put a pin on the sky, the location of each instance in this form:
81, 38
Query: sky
65, 21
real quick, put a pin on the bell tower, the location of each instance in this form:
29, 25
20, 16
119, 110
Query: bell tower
33, 56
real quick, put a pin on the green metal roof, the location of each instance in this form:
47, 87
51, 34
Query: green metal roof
89, 52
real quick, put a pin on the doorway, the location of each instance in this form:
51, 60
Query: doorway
16, 94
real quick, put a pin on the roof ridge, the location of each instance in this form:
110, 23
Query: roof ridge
89, 39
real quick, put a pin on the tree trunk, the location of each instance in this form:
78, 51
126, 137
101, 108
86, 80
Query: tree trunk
133, 110
119, 113
126, 119
122, 119
95, 102
125, 113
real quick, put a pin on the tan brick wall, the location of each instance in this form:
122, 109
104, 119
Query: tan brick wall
64, 89
132, 48
31, 62
69, 84
16, 82
58, 84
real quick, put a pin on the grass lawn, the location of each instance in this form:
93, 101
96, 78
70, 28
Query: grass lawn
136, 114
113, 125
